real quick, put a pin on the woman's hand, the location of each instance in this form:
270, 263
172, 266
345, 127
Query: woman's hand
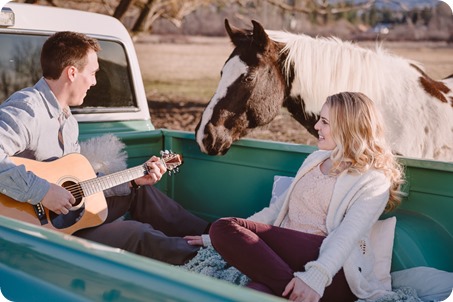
194, 240
299, 291
155, 171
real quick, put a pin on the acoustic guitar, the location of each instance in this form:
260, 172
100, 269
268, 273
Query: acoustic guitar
75, 173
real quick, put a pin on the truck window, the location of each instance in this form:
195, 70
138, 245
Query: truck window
20, 68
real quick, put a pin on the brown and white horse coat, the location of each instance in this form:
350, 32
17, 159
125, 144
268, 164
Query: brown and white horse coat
271, 69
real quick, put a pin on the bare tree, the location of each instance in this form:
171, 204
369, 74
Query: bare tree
324, 8
122, 8
144, 12
171, 10
141, 14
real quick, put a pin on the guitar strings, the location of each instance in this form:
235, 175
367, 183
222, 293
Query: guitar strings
77, 191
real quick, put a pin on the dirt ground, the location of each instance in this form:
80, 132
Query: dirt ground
174, 59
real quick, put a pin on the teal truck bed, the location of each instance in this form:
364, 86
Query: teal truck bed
53, 265
37, 264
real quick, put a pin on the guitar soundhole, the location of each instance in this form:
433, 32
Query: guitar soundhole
61, 221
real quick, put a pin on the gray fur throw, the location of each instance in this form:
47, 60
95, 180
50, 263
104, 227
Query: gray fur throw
403, 294
208, 262
106, 155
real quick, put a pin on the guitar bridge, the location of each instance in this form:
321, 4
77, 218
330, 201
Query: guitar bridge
40, 213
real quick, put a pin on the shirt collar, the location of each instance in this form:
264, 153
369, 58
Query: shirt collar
55, 110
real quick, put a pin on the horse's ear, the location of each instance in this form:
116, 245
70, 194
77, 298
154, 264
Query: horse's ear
257, 36
260, 37
237, 35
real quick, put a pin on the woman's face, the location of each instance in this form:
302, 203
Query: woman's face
325, 141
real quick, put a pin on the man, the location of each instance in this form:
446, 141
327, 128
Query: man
37, 123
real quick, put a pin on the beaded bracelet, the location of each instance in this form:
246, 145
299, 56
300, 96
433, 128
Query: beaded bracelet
134, 184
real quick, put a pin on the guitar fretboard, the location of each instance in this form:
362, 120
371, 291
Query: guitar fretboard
102, 183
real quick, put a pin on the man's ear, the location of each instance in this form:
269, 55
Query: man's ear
70, 72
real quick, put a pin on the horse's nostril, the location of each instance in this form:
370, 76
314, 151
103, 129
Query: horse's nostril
214, 153
216, 140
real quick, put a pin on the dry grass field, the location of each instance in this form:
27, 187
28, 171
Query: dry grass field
181, 75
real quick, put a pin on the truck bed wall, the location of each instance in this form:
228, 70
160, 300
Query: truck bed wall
53, 266
240, 183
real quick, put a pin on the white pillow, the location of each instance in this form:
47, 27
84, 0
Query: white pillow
281, 184
431, 284
382, 235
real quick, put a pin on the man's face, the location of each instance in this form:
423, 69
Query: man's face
84, 79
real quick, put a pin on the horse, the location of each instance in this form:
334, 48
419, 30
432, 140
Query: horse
268, 70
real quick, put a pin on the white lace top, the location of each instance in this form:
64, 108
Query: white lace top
309, 202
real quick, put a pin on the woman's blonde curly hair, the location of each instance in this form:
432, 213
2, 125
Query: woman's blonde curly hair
359, 134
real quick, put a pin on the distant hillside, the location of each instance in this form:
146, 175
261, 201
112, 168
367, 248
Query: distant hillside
208, 21
409, 3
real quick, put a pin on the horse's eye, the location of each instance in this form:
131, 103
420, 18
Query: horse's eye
248, 79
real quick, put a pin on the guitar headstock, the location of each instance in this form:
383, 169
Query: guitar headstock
171, 160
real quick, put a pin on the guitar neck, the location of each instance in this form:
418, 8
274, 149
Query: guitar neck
105, 182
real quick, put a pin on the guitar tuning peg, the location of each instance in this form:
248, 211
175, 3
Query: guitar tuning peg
173, 171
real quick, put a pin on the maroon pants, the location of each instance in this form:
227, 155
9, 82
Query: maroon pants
270, 255
155, 229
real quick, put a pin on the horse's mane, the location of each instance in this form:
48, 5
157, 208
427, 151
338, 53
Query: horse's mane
323, 66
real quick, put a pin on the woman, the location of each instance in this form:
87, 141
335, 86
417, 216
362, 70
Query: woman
312, 244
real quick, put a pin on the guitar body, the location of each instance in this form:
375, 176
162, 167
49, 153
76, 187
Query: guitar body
69, 170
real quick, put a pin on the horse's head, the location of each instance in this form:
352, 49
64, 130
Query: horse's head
250, 92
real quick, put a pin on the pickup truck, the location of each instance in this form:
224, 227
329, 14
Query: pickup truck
38, 264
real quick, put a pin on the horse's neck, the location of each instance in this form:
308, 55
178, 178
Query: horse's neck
321, 67
296, 106
293, 103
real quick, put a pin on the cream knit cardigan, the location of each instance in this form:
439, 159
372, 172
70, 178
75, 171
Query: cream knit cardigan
357, 202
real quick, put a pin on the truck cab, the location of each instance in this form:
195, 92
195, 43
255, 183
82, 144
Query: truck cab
116, 104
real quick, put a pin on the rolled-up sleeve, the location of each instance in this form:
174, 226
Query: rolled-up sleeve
15, 181
21, 185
